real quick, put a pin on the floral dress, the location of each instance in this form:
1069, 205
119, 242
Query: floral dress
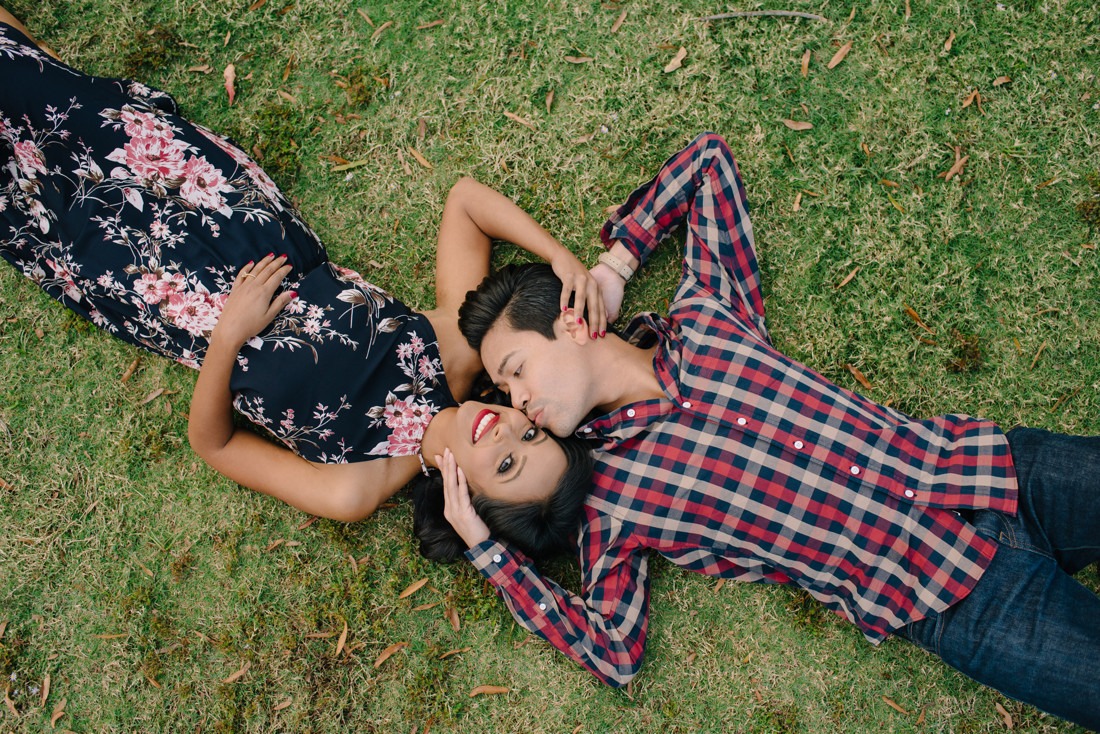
138, 220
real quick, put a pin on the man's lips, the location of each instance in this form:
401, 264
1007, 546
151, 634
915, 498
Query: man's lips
485, 420
536, 417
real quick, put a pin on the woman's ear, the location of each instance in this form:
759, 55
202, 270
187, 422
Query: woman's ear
573, 327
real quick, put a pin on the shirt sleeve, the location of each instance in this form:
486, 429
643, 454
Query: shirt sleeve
603, 629
699, 187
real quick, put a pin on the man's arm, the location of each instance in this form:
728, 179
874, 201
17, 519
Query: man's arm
700, 187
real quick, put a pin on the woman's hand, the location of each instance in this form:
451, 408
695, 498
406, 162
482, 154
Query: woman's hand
250, 307
612, 287
457, 508
577, 281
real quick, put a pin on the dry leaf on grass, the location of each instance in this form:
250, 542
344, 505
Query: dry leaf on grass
894, 705
452, 617
9, 703
1005, 717
950, 40
366, 17
412, 588
3, 628
7, 486
888, 182
342, 640
860, 377
419, 158
916, 318
847, 278
130, 370
549, 100
579, 59
521, 120
1001, 80
282, 705
797, 125
152, 396
378, 31
58, 711
45, 689
488, 691
839, 55
618, 23
230, 76
456, 651
288, 97
257, 5
202, 68
677, 60
235, 676
797, 202
425, 607
432, 24
389, 651
806, 63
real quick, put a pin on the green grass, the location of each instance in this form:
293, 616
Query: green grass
124, 560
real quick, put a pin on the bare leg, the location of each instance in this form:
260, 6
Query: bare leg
6, 17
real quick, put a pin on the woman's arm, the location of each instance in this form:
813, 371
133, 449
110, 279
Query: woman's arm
340, 492
473, 217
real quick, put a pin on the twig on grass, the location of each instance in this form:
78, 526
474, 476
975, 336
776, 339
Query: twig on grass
760, 13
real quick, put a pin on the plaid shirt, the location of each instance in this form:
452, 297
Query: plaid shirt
754, 467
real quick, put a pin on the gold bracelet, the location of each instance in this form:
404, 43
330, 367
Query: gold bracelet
623, 270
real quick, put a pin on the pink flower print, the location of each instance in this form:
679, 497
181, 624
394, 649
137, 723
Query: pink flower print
263, 182
404, 351
150, 158
288, 420
30, 158
312, 327
155, 288
296, 306
417, 343
406, 420
143, 124
203, 185
426, 367
235, 153
315, 312
196, 312
159, 229
61, 270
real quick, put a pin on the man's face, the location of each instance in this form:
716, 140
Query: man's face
548, 379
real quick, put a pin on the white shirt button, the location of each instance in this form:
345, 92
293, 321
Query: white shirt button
910, 493
855, 470
741, 421
798, 444
687, 404
542, 607
588, 429
631, 413
496, 558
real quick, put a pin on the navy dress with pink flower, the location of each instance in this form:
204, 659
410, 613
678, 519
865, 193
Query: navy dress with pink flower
138, 220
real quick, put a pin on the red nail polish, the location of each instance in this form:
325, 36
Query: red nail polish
603, 333
594, 335
270, 254
294, 294
249, 264
564, 309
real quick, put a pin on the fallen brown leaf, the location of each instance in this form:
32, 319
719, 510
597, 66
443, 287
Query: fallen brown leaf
45, 689
202, 68
1005, 717
342, 640
970, 99
891, 184
289, 66
579, 59
956, 169
282, 704
288, 97
433, 24
152, 681
1046, 183
916, 317
378, 31
366, 17
456, 651
413, 588
419, 158
860, 377
130, 370
847, 278
797, 124
353, 164
677, 60
521, 120
1035, 361
865, 149
58, 711
425, 607
488, 691
319, 635
234, 677
7, 486
949, 41
908, 11
274, 544
257, 5
618, 23
230, 76
893, 704
797, 202
806, 63
549, 100
1001, 80
9, 703
718, 586
839, 55
3, 628
452, 617
895, 204
152, 396
385, 654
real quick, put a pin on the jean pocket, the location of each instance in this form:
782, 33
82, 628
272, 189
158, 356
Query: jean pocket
925, 633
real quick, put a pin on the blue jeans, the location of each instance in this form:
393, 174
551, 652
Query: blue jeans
1028, 629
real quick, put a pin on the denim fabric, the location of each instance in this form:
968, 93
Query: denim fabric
1028, 629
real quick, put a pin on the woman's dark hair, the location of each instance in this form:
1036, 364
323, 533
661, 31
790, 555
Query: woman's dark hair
526, 296
539, 529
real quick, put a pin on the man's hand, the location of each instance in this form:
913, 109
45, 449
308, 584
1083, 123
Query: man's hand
612, 287
457, 508
250, 308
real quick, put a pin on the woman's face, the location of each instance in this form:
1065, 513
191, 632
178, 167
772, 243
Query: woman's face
503, 455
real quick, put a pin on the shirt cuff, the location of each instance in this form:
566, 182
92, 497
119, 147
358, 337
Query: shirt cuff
495, 561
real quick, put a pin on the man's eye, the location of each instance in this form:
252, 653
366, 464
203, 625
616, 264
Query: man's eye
530, 433
505, 465
518, 371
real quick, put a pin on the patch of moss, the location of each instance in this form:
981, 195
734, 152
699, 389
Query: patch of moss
966, 354
149, 51
1089, 209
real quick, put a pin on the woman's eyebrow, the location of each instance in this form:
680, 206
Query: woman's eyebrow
517, 472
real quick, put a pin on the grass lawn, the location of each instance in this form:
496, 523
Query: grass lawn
139, 583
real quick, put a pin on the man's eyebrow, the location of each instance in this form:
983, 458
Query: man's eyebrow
500, 369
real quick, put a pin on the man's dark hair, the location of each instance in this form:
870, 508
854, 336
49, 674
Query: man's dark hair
540, 529
527, 297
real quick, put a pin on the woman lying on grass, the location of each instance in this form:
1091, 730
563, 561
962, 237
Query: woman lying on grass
169, 237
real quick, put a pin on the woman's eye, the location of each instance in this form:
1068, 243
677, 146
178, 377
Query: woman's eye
505, 465
530, 433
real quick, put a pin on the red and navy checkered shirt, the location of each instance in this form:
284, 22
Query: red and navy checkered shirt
753, 467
